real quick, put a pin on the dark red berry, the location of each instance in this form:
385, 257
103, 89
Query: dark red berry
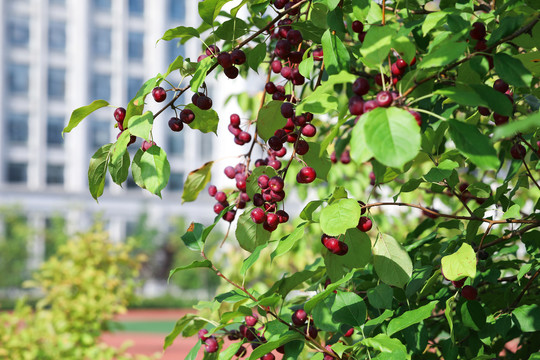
229, 215
364, 224
401, 64
301, 147
469, 292
212, 190
187, 116
250, 320
500, 119
478, 31
204, 102
147, 145
120, 114
231, 73
262, 181
307, 175
235, 120
309, 130
244, 136
159, 94
357, 26
202, 334
225, 60
356, 105
459, 283
258, 216
283, 216
221, 197
229, 172
287, 110
518, 151
384, 99
238, 57
270, 87
276, 66
276, 183
360, 86
500, 85
484, 111
299, 317
294, 37
349, 332
175, 124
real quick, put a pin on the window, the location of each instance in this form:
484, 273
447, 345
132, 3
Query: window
55, 125
17, 172
101, 42
133, 86
99, 133
176, 181
17, 128
18, 31
18, 77
55, 174
56, 83
135, 46
104, 5
100, 87
175, 143
136, 7
177, 9
57, 36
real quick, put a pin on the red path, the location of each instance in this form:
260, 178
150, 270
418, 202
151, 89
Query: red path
149, 344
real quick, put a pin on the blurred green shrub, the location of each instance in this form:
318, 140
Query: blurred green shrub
85, 284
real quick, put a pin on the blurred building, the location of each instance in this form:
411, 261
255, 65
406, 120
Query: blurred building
58, 55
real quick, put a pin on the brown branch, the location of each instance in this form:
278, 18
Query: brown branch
529, 172
510, 235
522, 293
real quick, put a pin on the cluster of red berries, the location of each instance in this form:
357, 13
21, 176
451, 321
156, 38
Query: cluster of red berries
467, 291
119, 116
228, 60
286, 4
266, 212
502, 87
241, 137
240, 174
344, 158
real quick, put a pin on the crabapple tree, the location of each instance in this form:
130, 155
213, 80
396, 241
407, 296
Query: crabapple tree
410, 133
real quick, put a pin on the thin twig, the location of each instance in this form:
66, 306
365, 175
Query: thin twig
522, 293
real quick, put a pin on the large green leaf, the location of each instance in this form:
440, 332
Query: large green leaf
249, 234
409, 318
512, 70
193, 265
359, 149
445, 54
119, 168
256, 56
231, 29
530, 123
79, 114
98, 169
473, 315
527, 317
336, 55
377, 43
340, 216
478, 95
141, 125
180, 32
349, 308
381, 296
473, 144
386, 344
310, 304
392, 135
178, 328
288, 241
392, 263
271, 345
270, 119
205, 120
321, 104
460, 264
155, 169
196, 181
209, 9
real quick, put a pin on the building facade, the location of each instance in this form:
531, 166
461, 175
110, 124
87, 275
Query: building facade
58, 55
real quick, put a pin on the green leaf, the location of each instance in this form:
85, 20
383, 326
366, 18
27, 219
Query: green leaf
98, 169
155, 169
359, 149
271, 345
200, 73
178, 63
512, 212
231, 350
524, 125
409, 318
381, 296
209, 9
310, 304
79, 114
249, 234
473, 315
445, 54
449, 314
141, 125
119, 168
377, 44
196, 181
321, 104
256, 56
205, 120
460, 264
178, 327
441, 171
120, 146
180, 32
358, 256
192, 355
405, 47
527, 317
136, 170
193, 237
349, 308
309, 209
478, 95
392, 135
322, 315
251, 259
386, 344
512, 70
473, 144
287, 242
252, 186
231, 29
391, 262
193, 265
306, 66
320, 162
336, 56
138, 99
432, 20
270, 119
340, 216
